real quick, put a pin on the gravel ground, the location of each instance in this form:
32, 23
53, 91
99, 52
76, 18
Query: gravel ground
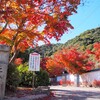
31, 97
75, 93
64, 93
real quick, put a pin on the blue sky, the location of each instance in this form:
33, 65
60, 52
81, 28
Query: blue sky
87, 17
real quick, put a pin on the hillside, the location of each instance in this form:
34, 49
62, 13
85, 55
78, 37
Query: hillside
47, 50
83, 41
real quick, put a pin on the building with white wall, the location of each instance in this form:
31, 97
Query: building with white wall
88, 77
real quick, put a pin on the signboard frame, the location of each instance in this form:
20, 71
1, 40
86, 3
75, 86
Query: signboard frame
34, 62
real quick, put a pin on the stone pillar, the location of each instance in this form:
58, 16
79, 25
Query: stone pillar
77, 80
4, 59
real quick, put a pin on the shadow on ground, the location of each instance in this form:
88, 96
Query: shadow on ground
75, 95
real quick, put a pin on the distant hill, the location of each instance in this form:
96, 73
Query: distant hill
82, 42
47, 50
85, 40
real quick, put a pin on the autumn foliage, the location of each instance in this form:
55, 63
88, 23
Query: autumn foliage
43, 63
54, 68
95, 51
18, 61
25, 22
73, 61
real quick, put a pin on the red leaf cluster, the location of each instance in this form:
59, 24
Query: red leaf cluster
71, 60
96, 51
18, 61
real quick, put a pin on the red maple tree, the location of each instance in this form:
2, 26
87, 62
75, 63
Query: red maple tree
25, 22
43, 63
72, 60
95, 51
53, 67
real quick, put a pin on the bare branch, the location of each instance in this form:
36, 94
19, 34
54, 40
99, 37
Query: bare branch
14, 56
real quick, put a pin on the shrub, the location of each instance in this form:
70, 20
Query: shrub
67, 82
42, 78
96, 83
13, 78
60, 82
25, 75
20, 76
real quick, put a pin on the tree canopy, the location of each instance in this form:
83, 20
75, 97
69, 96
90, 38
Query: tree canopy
71, 59
25, 22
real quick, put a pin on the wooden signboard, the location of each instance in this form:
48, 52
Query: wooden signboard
34, 62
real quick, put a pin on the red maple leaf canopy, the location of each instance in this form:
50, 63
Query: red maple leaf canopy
25, 22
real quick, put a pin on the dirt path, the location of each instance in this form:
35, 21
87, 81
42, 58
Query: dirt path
59, 93
75, 93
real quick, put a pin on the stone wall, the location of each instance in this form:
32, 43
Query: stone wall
85, 79
4, 58
91, 76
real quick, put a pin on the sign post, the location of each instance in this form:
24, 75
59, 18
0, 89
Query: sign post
34, 63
